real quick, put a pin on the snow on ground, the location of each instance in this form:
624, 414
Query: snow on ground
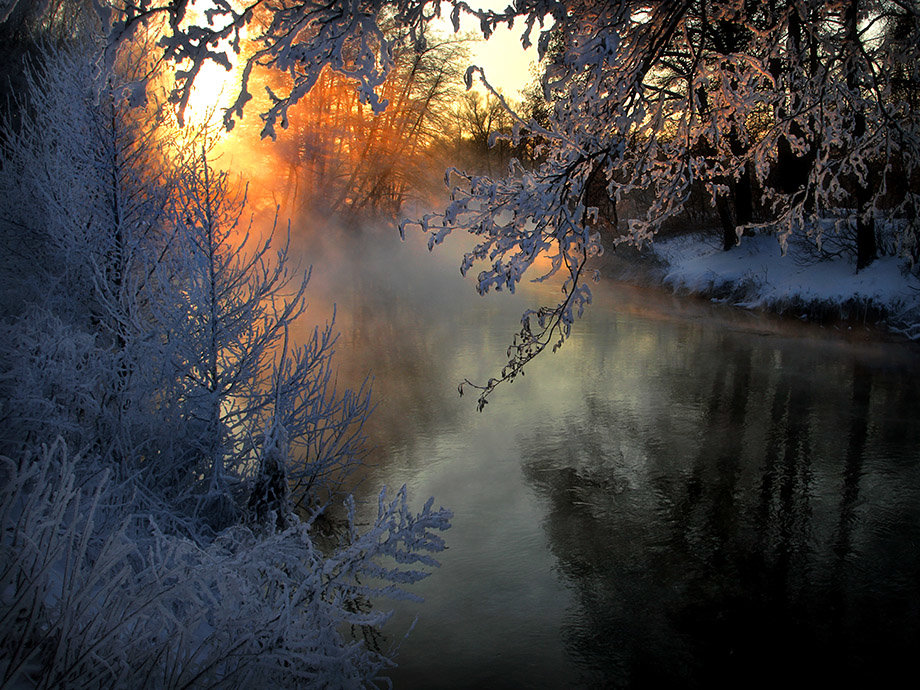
756, 275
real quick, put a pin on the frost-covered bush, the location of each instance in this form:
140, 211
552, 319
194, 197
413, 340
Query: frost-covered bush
155, 542
49, 382
235, 375
152, 332
91, 594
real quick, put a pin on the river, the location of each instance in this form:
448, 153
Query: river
686, 493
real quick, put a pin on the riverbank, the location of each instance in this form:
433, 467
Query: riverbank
756, 275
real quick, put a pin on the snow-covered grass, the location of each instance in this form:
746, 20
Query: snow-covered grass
94, 596
756, 275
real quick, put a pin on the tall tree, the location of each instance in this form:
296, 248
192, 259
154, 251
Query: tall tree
240, 387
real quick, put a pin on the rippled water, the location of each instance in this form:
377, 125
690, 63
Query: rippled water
686, 493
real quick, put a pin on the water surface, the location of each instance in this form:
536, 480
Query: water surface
686, 493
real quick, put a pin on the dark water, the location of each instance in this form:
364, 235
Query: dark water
686, 494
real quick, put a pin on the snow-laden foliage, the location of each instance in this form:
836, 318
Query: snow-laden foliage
227, 336
780, 115
93, 208
84, 206
297, 39
159, 427
93, 596
810, 106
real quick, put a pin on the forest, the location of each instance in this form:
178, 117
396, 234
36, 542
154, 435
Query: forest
175, 506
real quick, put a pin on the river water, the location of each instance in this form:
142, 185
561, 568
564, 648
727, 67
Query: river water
686, 493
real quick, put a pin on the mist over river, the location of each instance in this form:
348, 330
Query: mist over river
685, 493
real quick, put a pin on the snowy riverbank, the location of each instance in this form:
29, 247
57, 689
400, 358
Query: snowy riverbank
756, 275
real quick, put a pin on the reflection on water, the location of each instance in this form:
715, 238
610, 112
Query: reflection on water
780, 530
684, 494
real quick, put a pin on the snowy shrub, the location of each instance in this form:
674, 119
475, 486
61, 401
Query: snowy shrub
62, 577
155, 543
91, 595
49, 381
226, 308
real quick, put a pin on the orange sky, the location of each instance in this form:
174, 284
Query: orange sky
502, 57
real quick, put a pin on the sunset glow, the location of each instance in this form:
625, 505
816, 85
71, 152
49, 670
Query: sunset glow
214, 87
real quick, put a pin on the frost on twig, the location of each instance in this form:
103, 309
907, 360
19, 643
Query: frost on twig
90, 595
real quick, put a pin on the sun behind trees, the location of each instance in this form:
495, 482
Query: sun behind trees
336, 155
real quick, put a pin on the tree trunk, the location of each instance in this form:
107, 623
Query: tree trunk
744, 199
727, 219
866, 247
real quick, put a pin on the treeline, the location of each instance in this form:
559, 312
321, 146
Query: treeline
338, 156
166, 450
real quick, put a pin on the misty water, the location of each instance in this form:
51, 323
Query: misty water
685, 493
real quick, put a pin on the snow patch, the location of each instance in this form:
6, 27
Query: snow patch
756, 275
